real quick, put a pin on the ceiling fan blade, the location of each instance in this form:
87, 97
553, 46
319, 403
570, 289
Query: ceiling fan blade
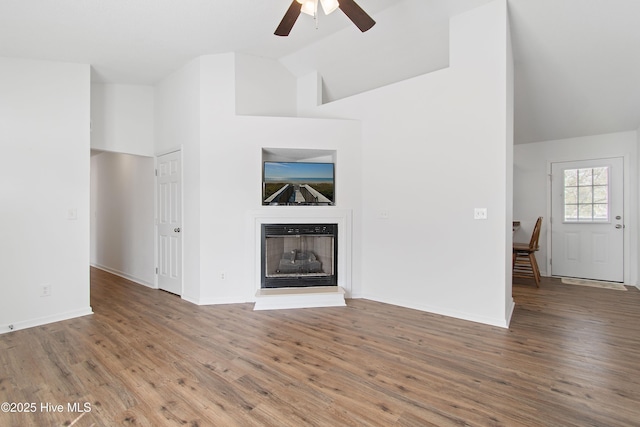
357, 15
289, 19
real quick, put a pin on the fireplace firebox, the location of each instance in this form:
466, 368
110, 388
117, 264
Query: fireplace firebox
299, 255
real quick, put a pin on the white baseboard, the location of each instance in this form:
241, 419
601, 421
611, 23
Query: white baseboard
191, 299
45, 320
125, 276
502, 323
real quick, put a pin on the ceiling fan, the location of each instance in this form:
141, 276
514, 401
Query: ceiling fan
310, 7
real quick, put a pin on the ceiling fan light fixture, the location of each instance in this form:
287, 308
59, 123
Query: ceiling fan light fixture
308, 6
329, 5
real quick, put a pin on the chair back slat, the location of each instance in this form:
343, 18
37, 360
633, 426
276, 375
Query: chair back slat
535, 236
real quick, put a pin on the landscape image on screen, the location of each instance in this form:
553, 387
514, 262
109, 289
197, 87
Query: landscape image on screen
298, 183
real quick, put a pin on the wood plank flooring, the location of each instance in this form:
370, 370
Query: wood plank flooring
147, 358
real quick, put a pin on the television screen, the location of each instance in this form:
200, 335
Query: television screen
298, 183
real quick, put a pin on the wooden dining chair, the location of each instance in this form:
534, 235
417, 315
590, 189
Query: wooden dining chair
524, 256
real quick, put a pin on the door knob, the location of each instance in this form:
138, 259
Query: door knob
177, 230
619, 225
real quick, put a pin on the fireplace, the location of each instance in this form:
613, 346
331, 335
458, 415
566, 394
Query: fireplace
299, 255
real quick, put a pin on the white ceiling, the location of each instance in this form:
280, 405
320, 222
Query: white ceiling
577, 62
577, 67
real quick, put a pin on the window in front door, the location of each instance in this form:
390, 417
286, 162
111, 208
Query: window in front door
586, 194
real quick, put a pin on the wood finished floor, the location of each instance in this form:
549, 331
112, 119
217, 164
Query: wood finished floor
146, 358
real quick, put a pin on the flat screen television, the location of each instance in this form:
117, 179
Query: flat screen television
298, 183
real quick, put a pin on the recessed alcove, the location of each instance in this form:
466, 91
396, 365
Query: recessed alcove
298, 155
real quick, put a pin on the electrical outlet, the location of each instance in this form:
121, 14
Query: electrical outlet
223, 275
480, 213
45, 290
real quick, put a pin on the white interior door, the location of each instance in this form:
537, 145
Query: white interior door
587, 227
169, 184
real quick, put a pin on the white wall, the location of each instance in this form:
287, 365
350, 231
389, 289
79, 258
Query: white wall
222, 167
427, 152
434, 148
122, 220
177, 126
409, 39
264, 87
232, 191
44, 134
509, 126
531, 186
122, 118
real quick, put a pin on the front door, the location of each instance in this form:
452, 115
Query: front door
587, 226
169, 184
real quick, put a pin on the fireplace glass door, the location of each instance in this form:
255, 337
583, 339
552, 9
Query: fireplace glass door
299, 255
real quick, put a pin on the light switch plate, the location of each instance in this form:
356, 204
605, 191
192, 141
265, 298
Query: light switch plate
480, 213
45, 290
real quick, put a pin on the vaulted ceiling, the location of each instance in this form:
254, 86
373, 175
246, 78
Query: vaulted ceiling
577, 62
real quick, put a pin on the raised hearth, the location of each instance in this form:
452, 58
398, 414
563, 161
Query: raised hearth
307, 297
